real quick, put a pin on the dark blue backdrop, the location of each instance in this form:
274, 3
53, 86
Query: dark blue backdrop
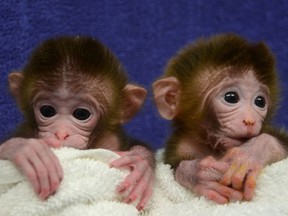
144, 34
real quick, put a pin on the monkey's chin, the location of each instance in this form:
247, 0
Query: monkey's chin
228, 142
248, 134
243, 138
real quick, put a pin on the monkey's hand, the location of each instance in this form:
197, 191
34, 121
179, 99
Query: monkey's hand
203, 176
243, 171
36, 160
247, 161
141, 179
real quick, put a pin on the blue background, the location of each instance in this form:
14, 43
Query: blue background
144, 34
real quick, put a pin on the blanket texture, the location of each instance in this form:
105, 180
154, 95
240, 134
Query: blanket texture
88, 188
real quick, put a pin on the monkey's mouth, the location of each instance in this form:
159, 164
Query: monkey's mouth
248, 133
244, 138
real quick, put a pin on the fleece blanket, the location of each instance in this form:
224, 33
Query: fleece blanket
89, 185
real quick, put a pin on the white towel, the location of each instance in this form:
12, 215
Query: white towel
89, 188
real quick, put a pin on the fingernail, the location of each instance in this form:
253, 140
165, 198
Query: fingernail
121, 189
140, 208
128, 200
43, 198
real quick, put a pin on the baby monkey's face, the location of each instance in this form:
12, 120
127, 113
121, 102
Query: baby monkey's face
68, 117
241, 106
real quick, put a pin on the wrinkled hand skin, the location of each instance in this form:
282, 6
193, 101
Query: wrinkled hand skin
247, 161
36, 160
202, 176
243, 172
232, 178
141, 179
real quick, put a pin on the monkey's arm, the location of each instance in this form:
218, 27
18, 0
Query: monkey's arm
37, 161
282, 139
141, 162
199, 175
249, 159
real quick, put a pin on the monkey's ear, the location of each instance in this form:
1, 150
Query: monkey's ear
166, 96
15, 80
134, 98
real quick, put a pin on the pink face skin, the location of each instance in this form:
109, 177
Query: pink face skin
241, 106
68, 117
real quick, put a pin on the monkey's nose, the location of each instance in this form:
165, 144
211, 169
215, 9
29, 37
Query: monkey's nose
61, 135
248, 122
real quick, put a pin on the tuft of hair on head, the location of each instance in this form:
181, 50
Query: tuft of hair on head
205, 58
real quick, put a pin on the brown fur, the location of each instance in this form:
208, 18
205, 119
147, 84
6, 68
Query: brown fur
78, 64
201, 66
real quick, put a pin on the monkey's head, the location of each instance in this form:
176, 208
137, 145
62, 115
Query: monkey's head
223, 83
75, 86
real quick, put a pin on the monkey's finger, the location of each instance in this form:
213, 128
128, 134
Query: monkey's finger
227, 178
28, 170
36, 159
121, 153
42, 175
48, 170
230, 193
126, 160
52, 142
250, 185
133, 177
147, 194
138, 188
214, 196
56, 162
33, 168
145, 199
237, 180
55, 176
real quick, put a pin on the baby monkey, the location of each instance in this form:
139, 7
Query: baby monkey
220, 94
73, 92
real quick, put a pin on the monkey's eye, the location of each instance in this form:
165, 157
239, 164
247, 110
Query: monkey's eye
231, 97
81, 114
47, 111
260, 102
